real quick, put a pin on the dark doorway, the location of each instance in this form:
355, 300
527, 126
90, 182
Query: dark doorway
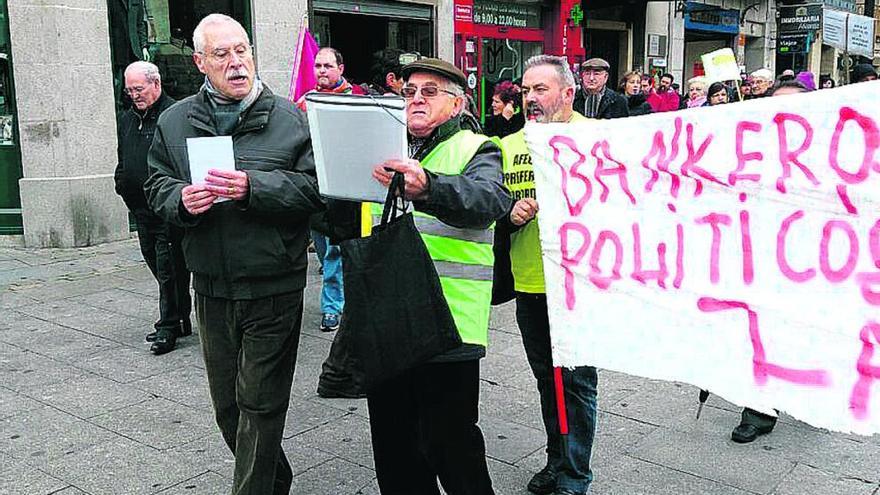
605, 45
345, 32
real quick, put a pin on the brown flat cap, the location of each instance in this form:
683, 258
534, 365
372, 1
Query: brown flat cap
596, 63
435, 66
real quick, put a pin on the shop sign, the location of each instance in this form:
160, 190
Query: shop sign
507, 14
702, 17
793, 43
847, 5
800, 18
464, 13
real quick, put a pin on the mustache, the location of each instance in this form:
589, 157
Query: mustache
533, 107
236, 73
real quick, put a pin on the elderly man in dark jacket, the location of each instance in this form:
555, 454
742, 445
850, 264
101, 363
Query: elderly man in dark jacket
159, 240
248, 254
596, 100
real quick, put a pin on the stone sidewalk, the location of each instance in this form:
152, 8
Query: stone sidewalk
86, 409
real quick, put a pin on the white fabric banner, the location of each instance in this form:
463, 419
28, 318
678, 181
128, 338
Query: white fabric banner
736, 248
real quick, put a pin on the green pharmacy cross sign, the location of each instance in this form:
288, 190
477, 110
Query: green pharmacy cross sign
576, 14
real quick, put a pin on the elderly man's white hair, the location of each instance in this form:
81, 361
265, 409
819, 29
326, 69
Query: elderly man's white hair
764, 74
149, 70
199, 32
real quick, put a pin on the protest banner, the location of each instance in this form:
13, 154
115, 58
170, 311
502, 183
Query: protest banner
736, 248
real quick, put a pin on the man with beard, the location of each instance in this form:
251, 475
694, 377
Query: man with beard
548, 93
248, 254
159, 240
664, 99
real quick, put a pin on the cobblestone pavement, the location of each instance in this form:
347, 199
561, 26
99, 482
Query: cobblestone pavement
86, 409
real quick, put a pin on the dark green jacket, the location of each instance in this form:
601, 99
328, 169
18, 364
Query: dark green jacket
252, 248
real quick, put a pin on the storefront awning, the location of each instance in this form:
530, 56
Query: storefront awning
375, 7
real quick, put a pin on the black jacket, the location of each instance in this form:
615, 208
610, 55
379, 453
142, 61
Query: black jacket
134, 133
252, 248
497, 125
638, 105
612, 106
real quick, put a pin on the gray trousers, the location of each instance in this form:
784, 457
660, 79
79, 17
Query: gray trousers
250, 355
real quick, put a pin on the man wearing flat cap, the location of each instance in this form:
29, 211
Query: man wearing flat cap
596, 100
424, 423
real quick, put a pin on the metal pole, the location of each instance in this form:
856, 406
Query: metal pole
869, 11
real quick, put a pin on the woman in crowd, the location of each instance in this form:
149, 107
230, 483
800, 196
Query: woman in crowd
696, 92
825, 82
505, 118
631, 87
717, 94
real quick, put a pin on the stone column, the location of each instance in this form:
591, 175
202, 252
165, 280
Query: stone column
276, 29
63, 81
445, 30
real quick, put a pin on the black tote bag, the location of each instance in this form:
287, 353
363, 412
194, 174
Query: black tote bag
395, 313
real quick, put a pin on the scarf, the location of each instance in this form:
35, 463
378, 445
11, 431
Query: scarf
342, 86
696, 103
228, 110
591, 108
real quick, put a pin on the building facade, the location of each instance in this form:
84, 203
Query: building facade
678, 33
802, 46
60, 88
61, 69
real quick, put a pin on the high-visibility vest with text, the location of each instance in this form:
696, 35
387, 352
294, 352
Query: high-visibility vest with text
463, 257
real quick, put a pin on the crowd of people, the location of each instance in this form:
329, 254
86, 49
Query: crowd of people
645, 94
241, 239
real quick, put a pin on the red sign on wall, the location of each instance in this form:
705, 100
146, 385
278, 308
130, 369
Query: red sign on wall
464, 13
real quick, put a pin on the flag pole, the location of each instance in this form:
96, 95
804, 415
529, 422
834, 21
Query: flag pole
297, 57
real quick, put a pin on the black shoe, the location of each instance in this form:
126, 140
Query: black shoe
151, 337
543, 482
163, 344
565, 491
745, 433
186, 327
340, 394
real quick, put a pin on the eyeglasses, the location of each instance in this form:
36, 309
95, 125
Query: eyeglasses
409, 92
134, 91
223, 55
593, 72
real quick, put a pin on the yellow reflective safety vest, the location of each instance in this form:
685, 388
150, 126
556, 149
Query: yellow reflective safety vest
463, 257
526, 263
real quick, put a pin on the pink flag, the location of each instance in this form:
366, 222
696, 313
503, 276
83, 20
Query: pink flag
303, 78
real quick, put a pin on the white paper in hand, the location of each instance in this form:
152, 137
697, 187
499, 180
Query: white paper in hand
207, 153
350, 136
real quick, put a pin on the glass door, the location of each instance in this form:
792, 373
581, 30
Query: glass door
502, 60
